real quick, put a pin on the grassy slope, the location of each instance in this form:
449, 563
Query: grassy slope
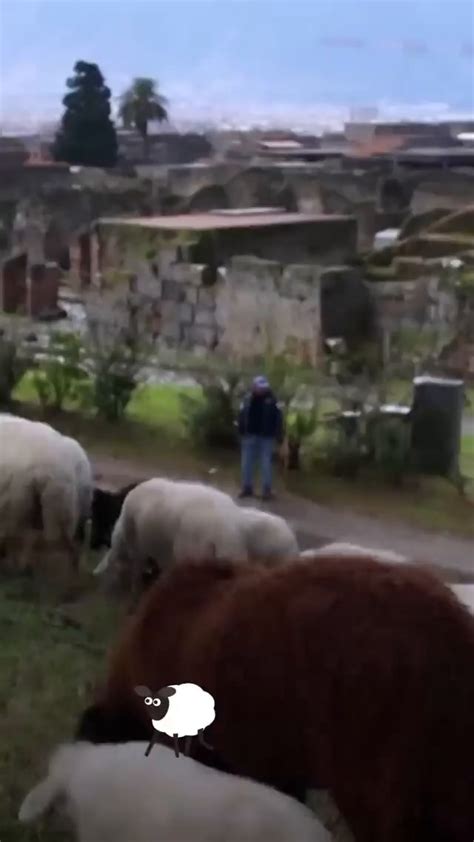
430, 503
467, 456
47, 672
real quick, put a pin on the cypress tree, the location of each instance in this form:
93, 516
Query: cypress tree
87, 134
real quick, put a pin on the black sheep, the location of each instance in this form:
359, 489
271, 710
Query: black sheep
106, 507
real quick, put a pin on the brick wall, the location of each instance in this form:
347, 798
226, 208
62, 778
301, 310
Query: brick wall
44, 288
13, 276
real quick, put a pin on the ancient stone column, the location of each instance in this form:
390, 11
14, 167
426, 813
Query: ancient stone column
75, 264
94, 257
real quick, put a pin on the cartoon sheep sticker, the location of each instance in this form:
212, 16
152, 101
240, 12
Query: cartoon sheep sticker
179, 710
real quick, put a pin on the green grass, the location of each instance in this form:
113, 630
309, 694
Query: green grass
150, 405
381, 273
48, 668
467, 456
160, 406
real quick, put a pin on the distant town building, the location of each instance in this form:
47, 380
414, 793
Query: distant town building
164, 148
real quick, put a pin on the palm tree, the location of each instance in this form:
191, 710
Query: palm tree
141, 103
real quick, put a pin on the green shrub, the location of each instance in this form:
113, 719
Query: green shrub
389, 442
57, 376
344, 454
300, 425
12, 368
114, 379
210, 419
118, 347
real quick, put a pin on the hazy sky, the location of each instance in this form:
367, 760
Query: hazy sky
234, 54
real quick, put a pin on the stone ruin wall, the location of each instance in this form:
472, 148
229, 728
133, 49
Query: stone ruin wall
417, 302
247, 308
252, 306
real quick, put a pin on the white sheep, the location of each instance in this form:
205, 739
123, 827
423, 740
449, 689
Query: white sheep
268, 537
45, 479
465, 593
113, 793
346, 550
189, 712
73, 453
167, 521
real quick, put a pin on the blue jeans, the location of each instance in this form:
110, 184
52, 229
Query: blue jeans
254, 449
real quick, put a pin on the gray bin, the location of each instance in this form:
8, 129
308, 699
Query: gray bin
436, 415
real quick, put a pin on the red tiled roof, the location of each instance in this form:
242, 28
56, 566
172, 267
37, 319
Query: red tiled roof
377, 146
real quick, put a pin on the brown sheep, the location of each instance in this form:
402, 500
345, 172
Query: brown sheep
356, 677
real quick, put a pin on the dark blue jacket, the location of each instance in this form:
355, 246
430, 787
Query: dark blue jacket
267, 421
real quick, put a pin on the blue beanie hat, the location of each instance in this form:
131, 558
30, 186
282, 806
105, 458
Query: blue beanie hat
260, 382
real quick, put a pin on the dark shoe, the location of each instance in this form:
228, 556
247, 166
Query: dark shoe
267, 496
246, 492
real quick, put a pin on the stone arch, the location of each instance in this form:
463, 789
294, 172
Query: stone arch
208, 198
334, 201
172, 204
347, 307
286, 198
255, 186
393, 195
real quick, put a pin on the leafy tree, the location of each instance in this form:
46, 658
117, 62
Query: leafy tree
140, 104
87, 134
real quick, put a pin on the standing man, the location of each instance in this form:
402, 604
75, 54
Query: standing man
260, 425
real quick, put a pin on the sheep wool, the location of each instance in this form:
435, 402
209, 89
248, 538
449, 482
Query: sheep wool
465, 593
114, 793
45, 481
167, 521
268, 537
345, 550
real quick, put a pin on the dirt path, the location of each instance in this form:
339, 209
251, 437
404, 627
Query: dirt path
316, 524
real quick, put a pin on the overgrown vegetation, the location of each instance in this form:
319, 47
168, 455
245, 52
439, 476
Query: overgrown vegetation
51, 659
301, 424
13, 364
114, 377
210, 418
59, 372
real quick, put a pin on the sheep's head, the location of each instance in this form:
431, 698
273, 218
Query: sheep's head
157, 703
